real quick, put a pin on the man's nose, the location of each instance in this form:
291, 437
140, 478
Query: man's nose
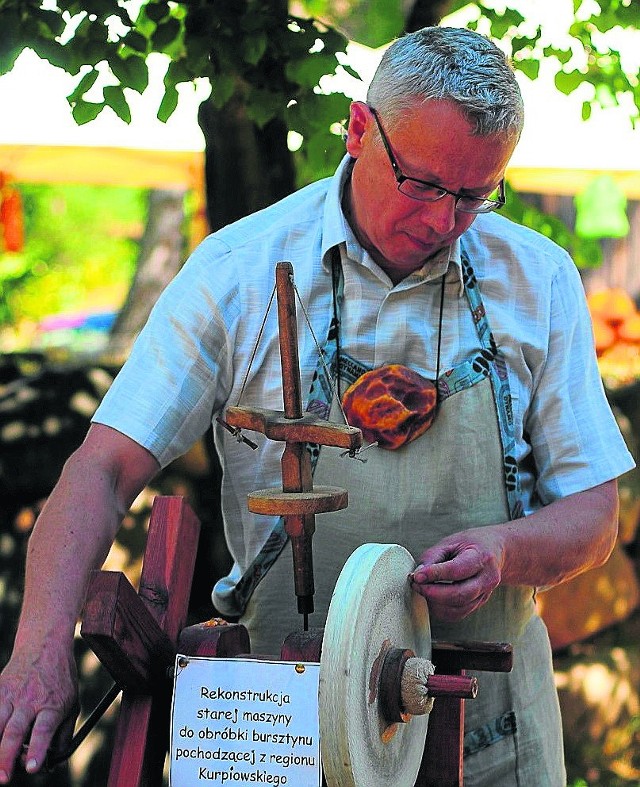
440, 215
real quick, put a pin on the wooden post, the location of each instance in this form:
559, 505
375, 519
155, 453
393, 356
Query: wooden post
137, 644
442, 762
296, 429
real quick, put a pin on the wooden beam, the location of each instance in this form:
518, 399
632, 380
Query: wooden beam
142, 734
123, 633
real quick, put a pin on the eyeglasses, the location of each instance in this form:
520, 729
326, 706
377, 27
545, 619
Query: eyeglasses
430, 192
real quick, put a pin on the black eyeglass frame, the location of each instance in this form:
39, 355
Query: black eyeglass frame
486, 205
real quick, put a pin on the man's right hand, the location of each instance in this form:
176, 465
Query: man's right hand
38, 698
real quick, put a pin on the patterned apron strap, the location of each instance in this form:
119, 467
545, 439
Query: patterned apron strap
491, 362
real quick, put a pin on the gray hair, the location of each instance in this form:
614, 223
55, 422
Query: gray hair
452, 64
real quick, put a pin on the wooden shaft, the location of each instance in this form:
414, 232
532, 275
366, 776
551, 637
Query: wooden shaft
463, 686
288, 330
390, 680
296, 468
296, 462
454, 656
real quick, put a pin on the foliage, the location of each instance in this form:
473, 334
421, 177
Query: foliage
589, 55
79, 240
249, 49
586, 252
272, 60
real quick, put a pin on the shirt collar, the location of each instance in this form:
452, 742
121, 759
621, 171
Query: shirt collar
336, 231
335, 227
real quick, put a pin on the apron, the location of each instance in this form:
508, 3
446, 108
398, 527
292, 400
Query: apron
455, 476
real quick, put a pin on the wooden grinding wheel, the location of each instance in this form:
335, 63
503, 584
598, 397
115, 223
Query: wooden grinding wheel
372, 609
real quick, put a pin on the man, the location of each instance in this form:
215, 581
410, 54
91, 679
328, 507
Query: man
403, 269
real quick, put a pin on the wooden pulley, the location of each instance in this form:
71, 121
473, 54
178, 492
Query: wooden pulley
373, 610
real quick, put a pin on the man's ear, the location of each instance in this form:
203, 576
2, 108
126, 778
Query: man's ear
359, 124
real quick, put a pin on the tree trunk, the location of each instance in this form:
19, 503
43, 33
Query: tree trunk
161, 256
424, 13
246, 167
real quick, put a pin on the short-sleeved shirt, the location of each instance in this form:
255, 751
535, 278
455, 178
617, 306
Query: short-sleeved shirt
199, 351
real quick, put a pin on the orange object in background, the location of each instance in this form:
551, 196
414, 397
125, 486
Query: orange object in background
616, 331
629, 330
11, 218
613, 305
603, 334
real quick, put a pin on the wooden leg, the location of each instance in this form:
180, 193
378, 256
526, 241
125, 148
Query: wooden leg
442, 759
442, 762
133, 644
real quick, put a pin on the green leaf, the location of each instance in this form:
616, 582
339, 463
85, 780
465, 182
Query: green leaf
165, 34
131, 72
563, 56
263, 105
178, 71
143, 24
316, 113
168, 104
586, 110
529, 67
115, 98
254, 47
83, 86
518, 43
10, 43
309, 70
58, 55
156, 11
49, 22
86, 111
134, 40
567, 82
223, 87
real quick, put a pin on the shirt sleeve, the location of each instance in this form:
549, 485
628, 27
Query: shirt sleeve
575, 440
180, 369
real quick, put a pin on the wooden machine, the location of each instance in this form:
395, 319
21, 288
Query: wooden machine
391, 700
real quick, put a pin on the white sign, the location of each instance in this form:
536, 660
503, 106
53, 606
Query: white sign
244, 721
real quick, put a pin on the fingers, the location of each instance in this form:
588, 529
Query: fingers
33, 705
16, 730
453, 601
456, 581
32, 754
42, 735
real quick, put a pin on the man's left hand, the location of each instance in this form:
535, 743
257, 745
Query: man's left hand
458, 575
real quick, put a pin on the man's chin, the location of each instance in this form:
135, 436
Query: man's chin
422, 250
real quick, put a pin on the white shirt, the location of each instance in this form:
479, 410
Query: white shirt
192, 358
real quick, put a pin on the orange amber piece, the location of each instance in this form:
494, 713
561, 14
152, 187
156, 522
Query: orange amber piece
391, 405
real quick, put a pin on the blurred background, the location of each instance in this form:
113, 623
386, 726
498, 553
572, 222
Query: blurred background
129, 130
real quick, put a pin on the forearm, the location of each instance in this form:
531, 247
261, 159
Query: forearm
72, 537
458, 574
561, 540
74, 532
